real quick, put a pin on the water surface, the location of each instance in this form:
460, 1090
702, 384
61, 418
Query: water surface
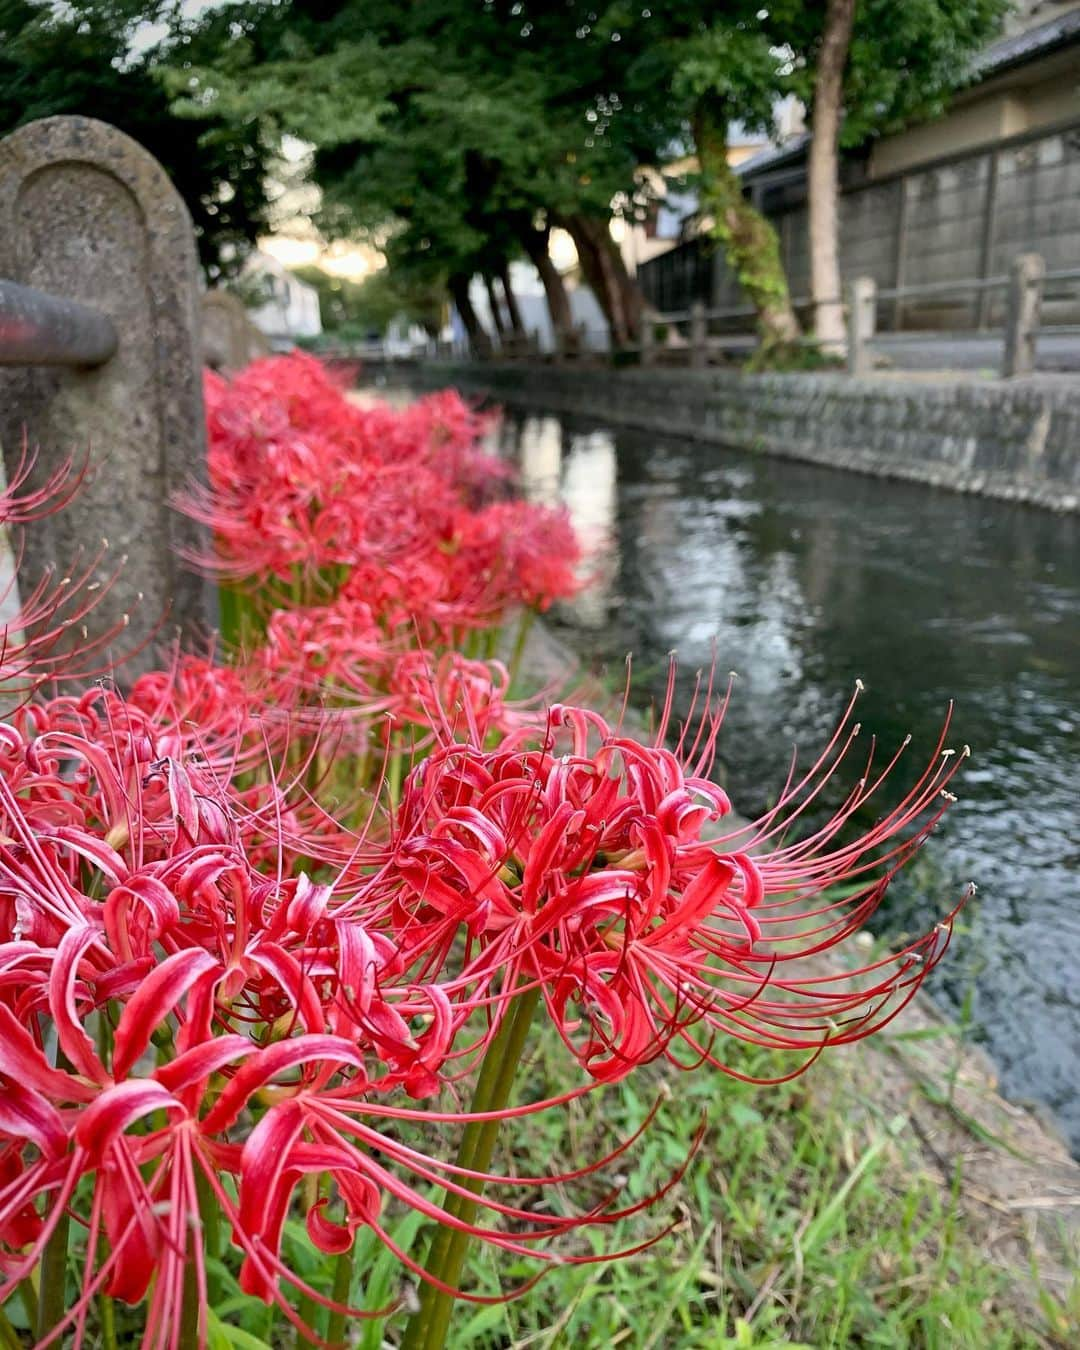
805, 579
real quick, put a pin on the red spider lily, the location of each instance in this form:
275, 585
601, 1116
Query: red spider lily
290, 1030
590, 872
455, 696
526, 553
304, 483
20, 503
229, 979
45, 637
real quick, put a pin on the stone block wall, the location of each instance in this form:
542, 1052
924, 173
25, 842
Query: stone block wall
1016, 440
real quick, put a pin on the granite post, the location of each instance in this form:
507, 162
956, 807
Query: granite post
88, 215
1022, 314
699, 336
229, 339
861, 323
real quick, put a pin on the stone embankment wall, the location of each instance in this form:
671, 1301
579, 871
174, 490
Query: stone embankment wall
1018, 440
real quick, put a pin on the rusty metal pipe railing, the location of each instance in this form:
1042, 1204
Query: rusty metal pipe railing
38, 329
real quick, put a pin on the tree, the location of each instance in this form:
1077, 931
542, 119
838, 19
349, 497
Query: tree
823, 176
466, 125
82, 58
866, 68
726, 72
353, 309
862, 67
691, 69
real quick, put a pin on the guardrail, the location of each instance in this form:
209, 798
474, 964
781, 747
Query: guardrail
1021, 329
691, 338
38, 329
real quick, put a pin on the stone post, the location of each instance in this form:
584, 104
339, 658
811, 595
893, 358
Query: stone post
229, 339
1022, 313
698, 336
862, 320
647, 341
89, 215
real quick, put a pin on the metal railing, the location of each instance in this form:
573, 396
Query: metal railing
38, 329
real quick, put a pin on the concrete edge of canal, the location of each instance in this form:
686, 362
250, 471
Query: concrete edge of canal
1013, 440
1016, 1182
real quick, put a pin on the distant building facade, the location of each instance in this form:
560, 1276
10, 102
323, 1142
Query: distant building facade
950, 200
284, 308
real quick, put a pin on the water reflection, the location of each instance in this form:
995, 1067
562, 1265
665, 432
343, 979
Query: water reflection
578, 471
803, 579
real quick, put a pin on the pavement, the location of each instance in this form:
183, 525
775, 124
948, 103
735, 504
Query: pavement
977, 352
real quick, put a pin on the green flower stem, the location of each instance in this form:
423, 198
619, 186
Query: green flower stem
211, 1231
343, 1272
107, 1311
308, 1308
308, 1312
427, 1327
106, 1307
190, 1307
52, 1301
9, 1337
516, 659
29, 1299
395, 769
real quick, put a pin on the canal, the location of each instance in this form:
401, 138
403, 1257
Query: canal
803, 580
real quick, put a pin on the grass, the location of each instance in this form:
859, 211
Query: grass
807, 1218
804, 1220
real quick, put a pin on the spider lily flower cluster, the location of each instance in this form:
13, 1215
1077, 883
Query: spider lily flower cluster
275, 906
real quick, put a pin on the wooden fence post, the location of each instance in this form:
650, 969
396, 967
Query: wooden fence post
647, 354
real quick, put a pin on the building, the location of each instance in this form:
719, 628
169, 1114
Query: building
950, 201
280, 305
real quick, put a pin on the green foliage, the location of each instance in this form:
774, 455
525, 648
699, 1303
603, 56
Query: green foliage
904, 62
82, 58
804, 1220
371, 305
443, 131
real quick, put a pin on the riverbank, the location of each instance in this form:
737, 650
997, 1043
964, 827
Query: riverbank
890, 1196
1014, 440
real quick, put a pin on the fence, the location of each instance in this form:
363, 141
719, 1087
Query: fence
1021, 325
698, 334
964, 215
100, 356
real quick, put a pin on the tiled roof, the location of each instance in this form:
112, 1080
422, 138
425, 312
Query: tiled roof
774, 155
993, 60
1013, 51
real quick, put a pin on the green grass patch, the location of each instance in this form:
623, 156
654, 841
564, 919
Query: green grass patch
804, 1220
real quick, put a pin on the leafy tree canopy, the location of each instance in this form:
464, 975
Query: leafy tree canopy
85, 57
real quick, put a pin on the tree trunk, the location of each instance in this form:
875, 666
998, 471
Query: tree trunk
595, 278
478, 338
535, 244
603, 268
749, 241
823, 187
512, 308
493, 303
